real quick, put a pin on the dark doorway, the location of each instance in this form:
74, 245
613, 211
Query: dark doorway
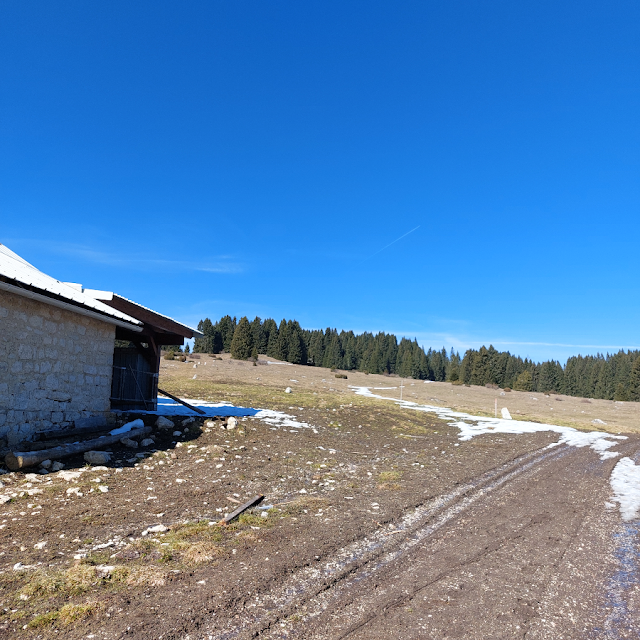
135, 378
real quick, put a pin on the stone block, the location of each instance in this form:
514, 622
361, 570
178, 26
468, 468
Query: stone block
94, 421
25, 352
59, 396
51, 382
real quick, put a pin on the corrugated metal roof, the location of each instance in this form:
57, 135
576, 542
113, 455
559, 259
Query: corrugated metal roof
13, 267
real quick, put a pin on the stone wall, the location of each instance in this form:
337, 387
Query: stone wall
55, 367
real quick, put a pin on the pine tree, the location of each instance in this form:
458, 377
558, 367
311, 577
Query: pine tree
524, 381
282, 346
621, 393
202, 345
227, 327
272, 341
296, 348
634, 381
548, 380
242, 341
259, 336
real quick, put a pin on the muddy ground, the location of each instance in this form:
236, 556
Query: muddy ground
380, 522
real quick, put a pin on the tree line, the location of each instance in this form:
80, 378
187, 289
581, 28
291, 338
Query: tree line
287, 341
610, 377
613, 377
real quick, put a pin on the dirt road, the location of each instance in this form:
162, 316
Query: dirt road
523, 551
382, 522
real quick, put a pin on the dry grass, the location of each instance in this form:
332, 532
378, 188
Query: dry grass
71, 613
73, 581
389, 476
203, 551
241, 383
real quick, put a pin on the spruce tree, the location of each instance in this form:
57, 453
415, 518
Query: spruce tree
634, 381
296, 348
621, 393
272, 341
227, 327
282, 346
242, 341
259, 337
524, 381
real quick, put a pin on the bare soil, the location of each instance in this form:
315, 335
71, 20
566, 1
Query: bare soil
381, 522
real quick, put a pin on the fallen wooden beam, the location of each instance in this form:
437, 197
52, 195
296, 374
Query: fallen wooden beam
20, 459
242, 508
186, 404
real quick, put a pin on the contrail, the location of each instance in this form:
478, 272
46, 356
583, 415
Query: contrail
396, 240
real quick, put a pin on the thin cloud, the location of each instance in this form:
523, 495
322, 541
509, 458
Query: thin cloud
220, 264
461, 344
563, 344
387, 246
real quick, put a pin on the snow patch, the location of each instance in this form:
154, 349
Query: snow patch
471, 426
280, 419
168, 407
625, 482
125, 428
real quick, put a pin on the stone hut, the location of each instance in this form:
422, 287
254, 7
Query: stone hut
58, 352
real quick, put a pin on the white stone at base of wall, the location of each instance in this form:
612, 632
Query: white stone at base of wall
55, 367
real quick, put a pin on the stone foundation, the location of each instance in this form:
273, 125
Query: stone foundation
55, 367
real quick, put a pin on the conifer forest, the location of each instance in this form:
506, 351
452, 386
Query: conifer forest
611, 376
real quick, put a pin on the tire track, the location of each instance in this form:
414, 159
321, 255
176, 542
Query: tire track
320, 588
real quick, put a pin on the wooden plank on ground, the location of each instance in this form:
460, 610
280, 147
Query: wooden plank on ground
242, 508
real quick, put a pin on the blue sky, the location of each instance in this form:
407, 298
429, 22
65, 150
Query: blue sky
260, 158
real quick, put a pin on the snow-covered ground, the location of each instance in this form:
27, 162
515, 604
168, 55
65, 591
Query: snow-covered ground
169, 408
625, 482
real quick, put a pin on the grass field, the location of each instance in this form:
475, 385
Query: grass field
262, 386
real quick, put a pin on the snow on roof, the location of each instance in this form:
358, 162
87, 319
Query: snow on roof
108, 295
13, 267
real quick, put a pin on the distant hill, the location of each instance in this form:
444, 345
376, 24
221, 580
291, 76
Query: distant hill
613, 377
